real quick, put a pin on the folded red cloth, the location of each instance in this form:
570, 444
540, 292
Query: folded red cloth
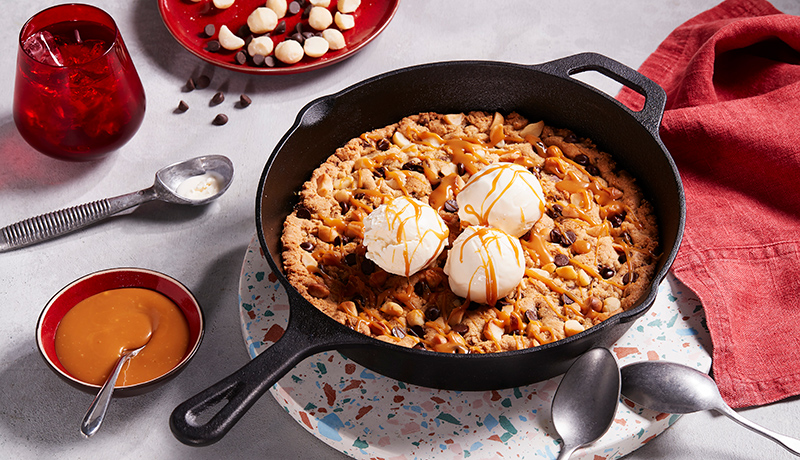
732, 124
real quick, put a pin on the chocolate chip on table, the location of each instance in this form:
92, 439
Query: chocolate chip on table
209, 30
451, 206
190, 85
220, 119
213, 46
244, 100
218, 98
202, 82
560, 260
182, 107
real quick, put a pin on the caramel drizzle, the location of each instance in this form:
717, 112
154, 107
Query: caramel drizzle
487, 238
502, 169
398, 224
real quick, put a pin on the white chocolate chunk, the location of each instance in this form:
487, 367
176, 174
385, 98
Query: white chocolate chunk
223, 4
315, 46
260, 45
278, 6
348, 6
320, 18
229, 40
323, 3
262, 20
344, 21
289, 52
334, 38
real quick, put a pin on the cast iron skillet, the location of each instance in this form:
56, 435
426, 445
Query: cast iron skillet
546, 91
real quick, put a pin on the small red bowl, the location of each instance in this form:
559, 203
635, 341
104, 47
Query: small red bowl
105, 280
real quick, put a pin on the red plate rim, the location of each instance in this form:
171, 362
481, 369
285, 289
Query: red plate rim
372, 17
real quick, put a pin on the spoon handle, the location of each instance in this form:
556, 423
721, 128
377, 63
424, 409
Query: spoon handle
566, 452
97, 411
57, 223
790, 444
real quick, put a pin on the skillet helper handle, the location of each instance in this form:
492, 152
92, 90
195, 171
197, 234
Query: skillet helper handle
240, 390
655, 98
53, 224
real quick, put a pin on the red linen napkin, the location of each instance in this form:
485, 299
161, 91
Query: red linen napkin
732, 124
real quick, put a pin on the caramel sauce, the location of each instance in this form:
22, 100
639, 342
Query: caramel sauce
536, 248
502, 169
397, 225
445, 191
486, 238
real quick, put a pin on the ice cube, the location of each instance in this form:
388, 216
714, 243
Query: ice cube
42, 47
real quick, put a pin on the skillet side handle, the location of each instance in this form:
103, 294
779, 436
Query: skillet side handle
240, 390
654, 95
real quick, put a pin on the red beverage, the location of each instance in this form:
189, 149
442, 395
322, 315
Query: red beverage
77, 94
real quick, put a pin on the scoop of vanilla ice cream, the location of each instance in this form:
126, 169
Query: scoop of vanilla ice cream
485, 264
404, 235
502, 195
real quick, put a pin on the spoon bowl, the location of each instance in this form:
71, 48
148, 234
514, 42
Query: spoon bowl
165, 188
678, 389
586, 400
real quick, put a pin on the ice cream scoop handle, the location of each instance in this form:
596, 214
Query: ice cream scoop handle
790, 444
57, 223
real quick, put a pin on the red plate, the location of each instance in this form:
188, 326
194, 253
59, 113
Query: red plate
186, 21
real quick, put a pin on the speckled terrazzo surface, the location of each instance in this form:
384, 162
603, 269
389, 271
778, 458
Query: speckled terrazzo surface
366, 415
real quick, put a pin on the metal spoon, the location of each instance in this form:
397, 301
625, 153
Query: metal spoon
586, 400
165, 188
97, 411
673, 388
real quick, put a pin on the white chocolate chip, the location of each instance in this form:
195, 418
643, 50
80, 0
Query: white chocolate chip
223, 4
229, 40
320, 18
315, 46
278, 6
289, 51
344, 21
262, 20
572, 327
260, 45
335, 38
323, 3
348, 6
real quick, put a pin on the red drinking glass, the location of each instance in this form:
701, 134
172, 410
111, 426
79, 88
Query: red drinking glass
77, 95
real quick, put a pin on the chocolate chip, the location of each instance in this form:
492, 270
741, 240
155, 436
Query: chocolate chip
432, 313
606, 272
473, 306
213, 46
383, 145
561, 260
190, 85
571, 138
302, 212
298, 28
243, 31
244, 99
419, 346
555, 211
258, 60
345, 206
293, 8
461, 328
592, 169
531, 315
616, 219
556, 237
217, 98
569, 238
307, 246
209, 30
581, 159
380, 171
280, 28
240, 58
367, 267
627, 238
298, 37
421, 288
202, 82
622, 258
182, 106
413, 166
397, 332
627, 278
566, 300
461, 169
451, 206
269, 61
220, 119
307, 11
